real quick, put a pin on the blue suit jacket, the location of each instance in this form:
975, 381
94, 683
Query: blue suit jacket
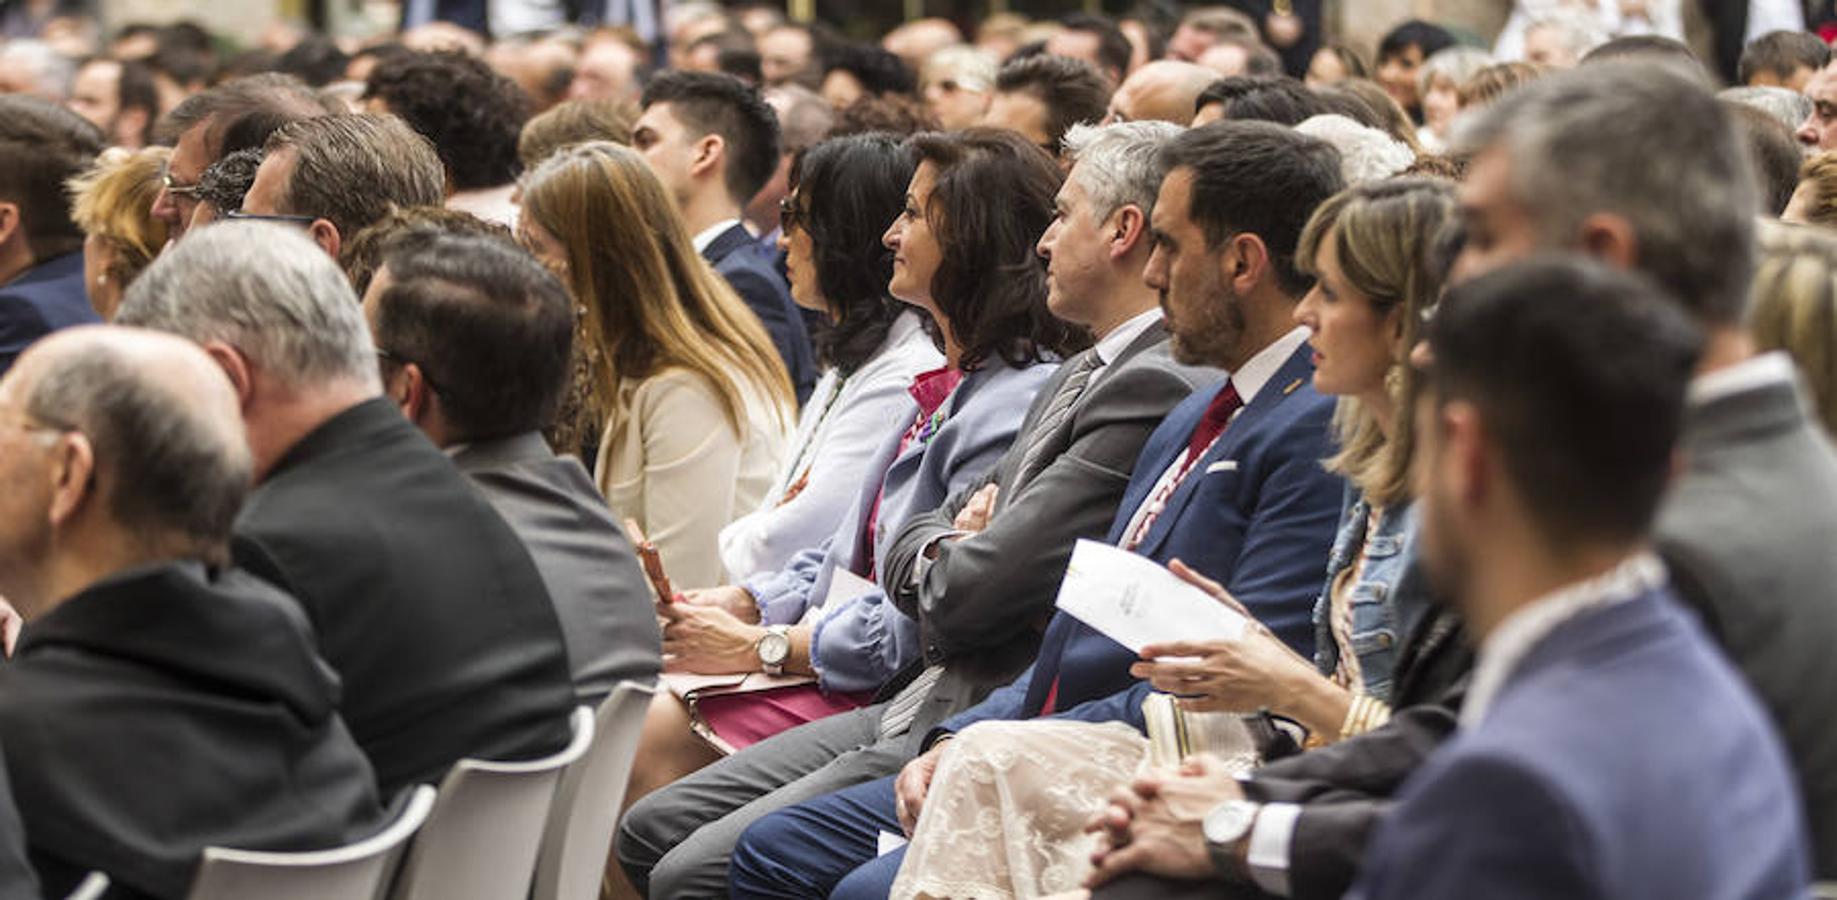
1261, 527
1623, 758
44, 298
867, 641
735, 254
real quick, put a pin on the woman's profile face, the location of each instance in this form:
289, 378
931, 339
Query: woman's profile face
800, 255
1354, 345
916, 251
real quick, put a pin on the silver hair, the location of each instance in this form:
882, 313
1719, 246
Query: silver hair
1457, 64
266, 290
1119, 165
1365, 154
1788, 106
51, 71
1643, 141
1580, 32
973, 68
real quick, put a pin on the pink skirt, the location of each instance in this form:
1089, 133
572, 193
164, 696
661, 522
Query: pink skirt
744, 719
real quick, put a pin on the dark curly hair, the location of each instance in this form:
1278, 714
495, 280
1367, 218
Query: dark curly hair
847, 190
879, 71
471, 114
991, 200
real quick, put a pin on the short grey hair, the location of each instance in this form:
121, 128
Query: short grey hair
266, 290
1580, 32
177, 464
1788, 106
52, 72
1365, 153
1119, 165
1646, 142
1457, 64
971, 67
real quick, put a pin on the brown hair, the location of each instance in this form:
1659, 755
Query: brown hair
574, 122
1392, 118
361, 254
1794, 307
1486, 85
113, 200
352, 169
1821, 171
651, 301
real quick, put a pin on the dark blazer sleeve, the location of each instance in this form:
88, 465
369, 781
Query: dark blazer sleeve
981, 592
768, 299
20, 325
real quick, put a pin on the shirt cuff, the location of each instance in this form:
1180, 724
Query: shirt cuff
1269, 846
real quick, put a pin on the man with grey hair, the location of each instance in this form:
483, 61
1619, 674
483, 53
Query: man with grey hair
125, 466
424, 600
337, 174
36, 69
1588, 161
1788, 106
979, 571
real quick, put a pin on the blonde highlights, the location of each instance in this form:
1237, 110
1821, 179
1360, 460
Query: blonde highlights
1794, 307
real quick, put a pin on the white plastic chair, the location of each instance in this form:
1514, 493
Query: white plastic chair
578, 839
90, 888
480, 841
357, 871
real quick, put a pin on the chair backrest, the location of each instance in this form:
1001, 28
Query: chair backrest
481, 839
357, 871
578, 839
91, 887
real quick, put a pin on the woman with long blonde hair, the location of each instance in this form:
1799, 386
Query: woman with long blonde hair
695, 401
1794, 308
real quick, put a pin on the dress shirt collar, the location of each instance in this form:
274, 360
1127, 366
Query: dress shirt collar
1524, 629
1112, 345
1749, 374
1259, 369
707, 235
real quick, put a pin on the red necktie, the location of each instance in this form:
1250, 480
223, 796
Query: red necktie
1212, 424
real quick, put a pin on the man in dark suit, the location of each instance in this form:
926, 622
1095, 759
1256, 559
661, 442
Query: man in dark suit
713, 142
1604, 730
424, 600
1240, 497
1754, 455
475, 338
42, 145
158, 702
978, 582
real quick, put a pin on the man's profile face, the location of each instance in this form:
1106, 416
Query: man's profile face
667, 146
1076, 255
96, 94
784, 53
1203, 316
1496, 227
1820, 128
184, 167
25, 531
268, 192
1023, 114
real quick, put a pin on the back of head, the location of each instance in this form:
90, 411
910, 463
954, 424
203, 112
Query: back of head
1071, 90
573, 122
848, 190
1788, 107
113, 200
1258, 178
316, 60
471, 114
1113, 48
804, 117
1780, 54
171, 461
1795, 307
1578, 372
352, 169
362, 255
1647, 143
1819, 203
991, 200
42, 146
707, 103
1490, 82
491, 329
1264, 98
1649, 48
226, 181
1119, 164
1773, 154
40, 70
878, 70
891, 114
1171, 86
265, 290
1391, 117
241, 114
1576, 32
1455, 65
1365, 154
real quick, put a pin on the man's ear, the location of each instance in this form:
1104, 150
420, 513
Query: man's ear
1128, 230
1245, 262
710, 154
1610, 238
1466, 445
10, 222
73, 477
326, 235
415, 395
237, 368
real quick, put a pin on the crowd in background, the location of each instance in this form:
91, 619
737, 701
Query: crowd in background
1487, 386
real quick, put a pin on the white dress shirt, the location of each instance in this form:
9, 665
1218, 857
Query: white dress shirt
1112, 345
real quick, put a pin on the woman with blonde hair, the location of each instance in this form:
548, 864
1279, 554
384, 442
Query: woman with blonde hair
1794, 308
1370, 251
113, 203
695, 401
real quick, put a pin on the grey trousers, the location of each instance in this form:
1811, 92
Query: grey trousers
675, 843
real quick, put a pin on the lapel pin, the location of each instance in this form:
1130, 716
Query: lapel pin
1291, 387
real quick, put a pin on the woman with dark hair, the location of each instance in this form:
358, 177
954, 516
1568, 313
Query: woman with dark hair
962, 252
1400, 57
843, 192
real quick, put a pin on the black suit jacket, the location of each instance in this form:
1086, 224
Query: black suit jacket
735, 254
41, 300
424, 599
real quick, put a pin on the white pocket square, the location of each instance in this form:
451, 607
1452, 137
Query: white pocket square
1223, 465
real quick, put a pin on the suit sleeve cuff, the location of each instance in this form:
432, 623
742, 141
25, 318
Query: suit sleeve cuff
1270, 839
928, 554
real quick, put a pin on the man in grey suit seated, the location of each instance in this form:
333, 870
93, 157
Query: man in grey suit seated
979, 573
473, 336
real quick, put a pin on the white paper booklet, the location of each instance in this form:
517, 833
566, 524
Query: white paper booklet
1135, 602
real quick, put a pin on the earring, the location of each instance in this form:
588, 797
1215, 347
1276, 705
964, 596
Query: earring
1393, 379
101, 279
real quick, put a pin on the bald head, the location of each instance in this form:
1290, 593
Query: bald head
139, 450
1165, 91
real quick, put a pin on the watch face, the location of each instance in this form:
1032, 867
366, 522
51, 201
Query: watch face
774, 648
1229, 821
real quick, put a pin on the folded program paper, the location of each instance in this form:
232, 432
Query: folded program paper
1135, 602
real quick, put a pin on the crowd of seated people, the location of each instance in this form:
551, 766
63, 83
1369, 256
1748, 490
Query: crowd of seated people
367, 406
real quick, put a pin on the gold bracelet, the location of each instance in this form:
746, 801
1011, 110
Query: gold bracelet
1364, 714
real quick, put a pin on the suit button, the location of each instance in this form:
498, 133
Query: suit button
933, 654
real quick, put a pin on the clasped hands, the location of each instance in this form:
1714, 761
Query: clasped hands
714, 631
1157, 823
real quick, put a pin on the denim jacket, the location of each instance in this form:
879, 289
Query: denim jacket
1383, 600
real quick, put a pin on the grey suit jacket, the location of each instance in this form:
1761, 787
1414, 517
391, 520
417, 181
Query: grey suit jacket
1750, 535
586, 562
981, 603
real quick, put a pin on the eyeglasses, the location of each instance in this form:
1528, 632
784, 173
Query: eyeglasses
398, 360
240, 216
790, 216
188, 191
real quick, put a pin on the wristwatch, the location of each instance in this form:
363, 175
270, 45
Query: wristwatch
1226, 828
774, 648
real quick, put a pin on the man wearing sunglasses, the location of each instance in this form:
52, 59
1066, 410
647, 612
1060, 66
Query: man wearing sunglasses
41, 250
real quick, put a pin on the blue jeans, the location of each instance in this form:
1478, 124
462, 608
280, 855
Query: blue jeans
820, 848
